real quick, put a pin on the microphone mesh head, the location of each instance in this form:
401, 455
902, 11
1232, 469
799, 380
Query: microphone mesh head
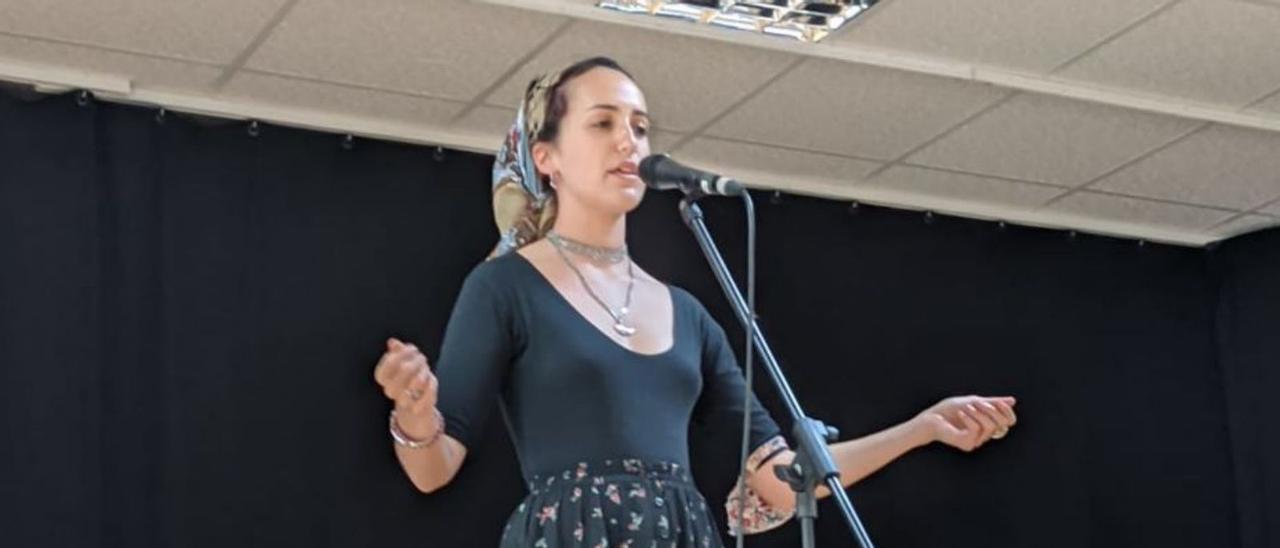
651, 171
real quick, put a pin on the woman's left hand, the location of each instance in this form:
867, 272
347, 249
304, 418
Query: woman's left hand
967, 422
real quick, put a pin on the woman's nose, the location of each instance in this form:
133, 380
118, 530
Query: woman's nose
627, 142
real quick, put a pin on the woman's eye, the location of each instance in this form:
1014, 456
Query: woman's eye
604, 124
642, 131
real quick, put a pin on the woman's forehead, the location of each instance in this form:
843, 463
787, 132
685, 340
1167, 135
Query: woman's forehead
603, 87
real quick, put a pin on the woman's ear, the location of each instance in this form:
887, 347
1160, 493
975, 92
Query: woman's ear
544, 158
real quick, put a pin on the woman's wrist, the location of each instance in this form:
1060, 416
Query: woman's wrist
921, 430
416, 431
419, 424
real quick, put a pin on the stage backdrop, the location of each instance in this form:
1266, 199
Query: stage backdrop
190, 315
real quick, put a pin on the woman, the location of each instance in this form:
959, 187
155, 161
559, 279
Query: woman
601, 367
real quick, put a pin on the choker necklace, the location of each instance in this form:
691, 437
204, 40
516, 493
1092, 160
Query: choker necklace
619, 316
599, 254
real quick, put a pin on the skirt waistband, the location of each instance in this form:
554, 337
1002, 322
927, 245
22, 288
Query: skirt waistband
597, 471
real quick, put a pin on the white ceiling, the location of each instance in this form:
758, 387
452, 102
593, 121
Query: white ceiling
1155, 119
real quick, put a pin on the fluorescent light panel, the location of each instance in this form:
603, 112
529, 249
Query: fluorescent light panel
804, 20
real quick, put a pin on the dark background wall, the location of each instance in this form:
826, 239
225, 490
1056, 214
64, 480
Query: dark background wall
1247, 274
189, 316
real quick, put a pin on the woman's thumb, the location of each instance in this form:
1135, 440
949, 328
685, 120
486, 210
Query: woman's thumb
394, 344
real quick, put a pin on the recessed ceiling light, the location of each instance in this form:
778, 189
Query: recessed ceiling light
805, 20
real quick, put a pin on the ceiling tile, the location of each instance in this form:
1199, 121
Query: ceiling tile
962, 187
1052, 140
1269, 104
1028, 35
854, 110
1120, 209
335, 99
214, 32
1206, 50
447, 49
145, 72
487, 120
686, 81
730, 157
1219, 166
1244, 225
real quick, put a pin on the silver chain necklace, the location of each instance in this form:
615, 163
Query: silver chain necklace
620, 316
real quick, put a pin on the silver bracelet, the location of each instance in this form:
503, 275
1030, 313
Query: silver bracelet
404, 440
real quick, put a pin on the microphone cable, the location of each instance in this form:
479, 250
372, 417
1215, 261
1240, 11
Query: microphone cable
749, 209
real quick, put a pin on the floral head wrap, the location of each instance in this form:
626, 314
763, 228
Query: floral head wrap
524, 206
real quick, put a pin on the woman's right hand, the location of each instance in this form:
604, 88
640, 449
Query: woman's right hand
406, 379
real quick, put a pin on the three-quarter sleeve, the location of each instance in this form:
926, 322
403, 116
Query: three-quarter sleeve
480, 343
723, 382
722, 393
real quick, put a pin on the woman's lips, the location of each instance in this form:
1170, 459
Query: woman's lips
627, 170
628, 176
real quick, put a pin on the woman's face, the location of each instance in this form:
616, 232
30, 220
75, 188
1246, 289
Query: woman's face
602, 138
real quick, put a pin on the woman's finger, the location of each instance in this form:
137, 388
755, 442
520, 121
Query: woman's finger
1005, 411
429, 396
997, 417
973, 429
387, 369
405, 372
384, 372
975, 409
417, 386
394, 344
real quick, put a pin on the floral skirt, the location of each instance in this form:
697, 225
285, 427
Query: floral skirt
614, 503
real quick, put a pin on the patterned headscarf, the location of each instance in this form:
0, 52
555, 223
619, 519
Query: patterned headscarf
524, 207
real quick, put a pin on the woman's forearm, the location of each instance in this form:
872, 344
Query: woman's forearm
433, 467
860, 457
856, 459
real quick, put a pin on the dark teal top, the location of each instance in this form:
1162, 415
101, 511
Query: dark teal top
567, 391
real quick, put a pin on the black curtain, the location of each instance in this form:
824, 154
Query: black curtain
1247, 271
190, 312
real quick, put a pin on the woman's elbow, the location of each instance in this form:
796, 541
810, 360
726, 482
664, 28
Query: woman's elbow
774, 493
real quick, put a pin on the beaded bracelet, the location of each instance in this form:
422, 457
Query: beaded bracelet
404, 440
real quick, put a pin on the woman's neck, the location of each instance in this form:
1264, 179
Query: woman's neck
596, 230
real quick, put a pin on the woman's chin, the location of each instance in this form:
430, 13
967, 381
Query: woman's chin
633, 195
627, 199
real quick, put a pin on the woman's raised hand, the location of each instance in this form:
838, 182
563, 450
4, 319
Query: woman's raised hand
406, 378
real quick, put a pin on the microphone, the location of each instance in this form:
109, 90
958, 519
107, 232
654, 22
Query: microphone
660, 172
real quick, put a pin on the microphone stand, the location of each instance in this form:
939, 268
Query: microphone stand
813, 463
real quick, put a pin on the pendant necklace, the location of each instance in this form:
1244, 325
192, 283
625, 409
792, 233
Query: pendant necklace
601, 254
